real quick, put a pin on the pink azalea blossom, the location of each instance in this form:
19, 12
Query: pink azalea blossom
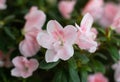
98, 77
110, 11
24, 67
3, 4
58, 41
116, 23
116, 67
95, 8
66, 7
35, 19
86, 37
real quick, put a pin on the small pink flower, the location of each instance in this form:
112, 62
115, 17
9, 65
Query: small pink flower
3, 4
35, 19
24, 67
116, 67
66, 7
110, 11
95, 8
58, 41
98, 77
116, 23
86, 37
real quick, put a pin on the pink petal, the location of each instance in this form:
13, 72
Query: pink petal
95, 8
54, 28
51, 56
98, 77
35, 19
15, 72
33, 65
18, 62
65, 52
29, 47
44, 39
66, 8
87, 43
70, 34
86, 22
26, 74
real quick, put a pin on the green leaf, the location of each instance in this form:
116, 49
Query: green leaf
47, 66
82, 58
84, 75
98, 66
73, 72
60, 76
9, 33
114, 53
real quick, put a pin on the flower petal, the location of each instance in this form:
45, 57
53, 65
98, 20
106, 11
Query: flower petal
44, 40
65, 52
35, 19
15, 72
29, 47
86, 22
51, 56
33, 65
54, 27
70, 34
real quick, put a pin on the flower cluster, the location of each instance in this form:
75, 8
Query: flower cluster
80, 44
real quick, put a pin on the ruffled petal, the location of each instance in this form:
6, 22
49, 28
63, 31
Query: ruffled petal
86, 22
15, 72
44, 39
51, 56
65, 52
70, 34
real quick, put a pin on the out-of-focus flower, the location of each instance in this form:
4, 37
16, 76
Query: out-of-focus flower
116, 23
110, 11
86, 37
58, 41
116, 67
3, 4
5, 59
35, 19
95, 8
98, 77
66, 7
24, 67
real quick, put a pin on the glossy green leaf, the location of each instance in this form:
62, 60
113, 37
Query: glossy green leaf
98, 66
60, 76
47, 66
114, 53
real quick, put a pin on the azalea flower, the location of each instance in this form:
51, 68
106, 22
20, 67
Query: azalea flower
24, 67
58, 41
35, 19
95, 8
66, 7
98, 77
86, 37
3, 4
110, 11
